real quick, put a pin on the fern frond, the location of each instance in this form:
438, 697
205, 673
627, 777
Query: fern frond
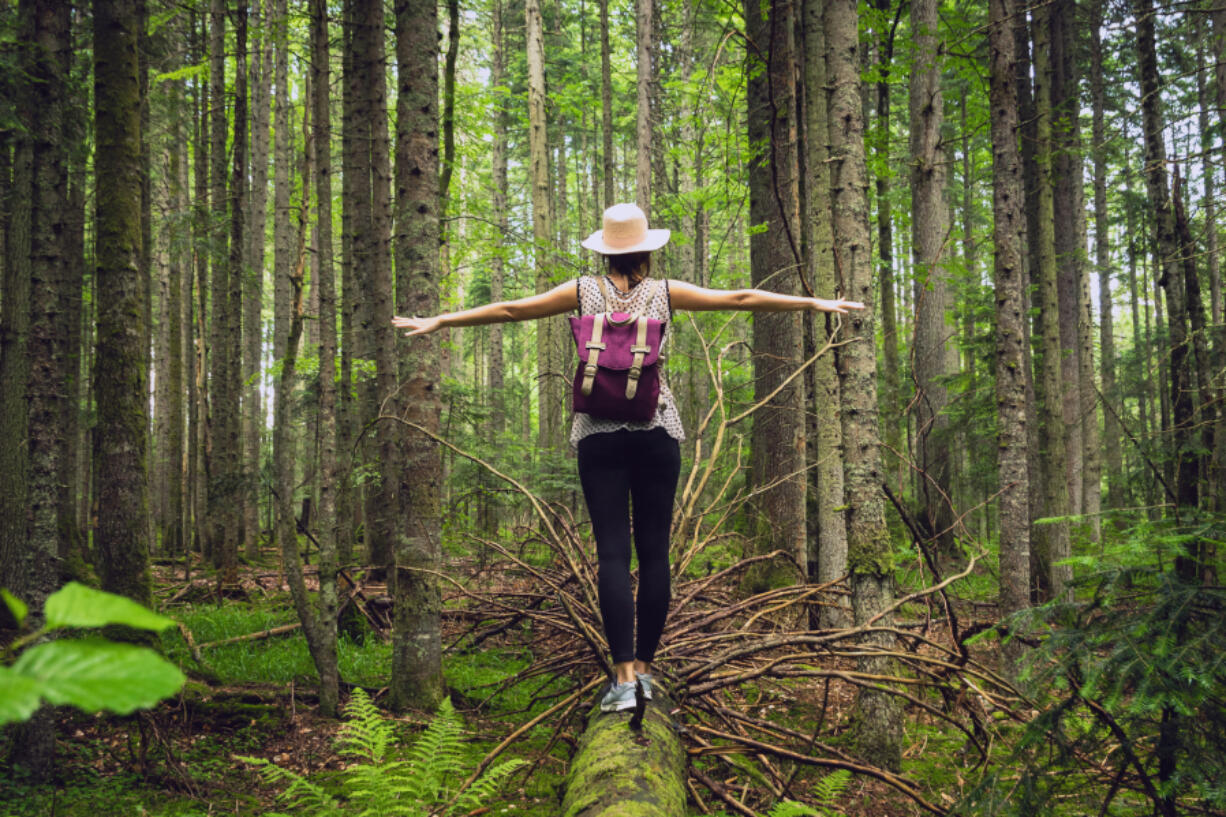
486, 786
828, 789
300, 793
437, 756
790, 808
366, 734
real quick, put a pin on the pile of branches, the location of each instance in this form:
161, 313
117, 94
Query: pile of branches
733, 663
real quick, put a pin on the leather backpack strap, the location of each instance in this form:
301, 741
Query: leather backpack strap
640, 349
594, 348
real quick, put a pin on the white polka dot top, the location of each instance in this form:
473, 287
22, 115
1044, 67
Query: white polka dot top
591, 302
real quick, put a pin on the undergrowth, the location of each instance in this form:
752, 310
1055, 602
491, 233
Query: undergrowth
379, 783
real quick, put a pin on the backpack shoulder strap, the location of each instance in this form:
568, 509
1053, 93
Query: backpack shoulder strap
604, 292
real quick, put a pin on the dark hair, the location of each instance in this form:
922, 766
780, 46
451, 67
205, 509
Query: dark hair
635, 266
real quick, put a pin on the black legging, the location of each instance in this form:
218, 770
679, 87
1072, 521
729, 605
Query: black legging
614, 468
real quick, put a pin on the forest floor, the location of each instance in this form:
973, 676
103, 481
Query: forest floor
257, 698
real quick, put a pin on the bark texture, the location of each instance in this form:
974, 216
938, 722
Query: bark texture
549, 393
929, 239
828, 549
1011, 283
878, 735
1053, 539
778, 437
417, 675
1116, 479
321, 119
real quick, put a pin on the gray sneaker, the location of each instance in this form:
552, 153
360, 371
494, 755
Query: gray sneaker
618, 697
646, 680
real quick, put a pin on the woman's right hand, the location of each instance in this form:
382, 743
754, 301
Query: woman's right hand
417, 326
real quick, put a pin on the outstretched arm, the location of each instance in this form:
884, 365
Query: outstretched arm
688, 296
560, 299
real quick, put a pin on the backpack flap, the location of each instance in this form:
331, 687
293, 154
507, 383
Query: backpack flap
618, 340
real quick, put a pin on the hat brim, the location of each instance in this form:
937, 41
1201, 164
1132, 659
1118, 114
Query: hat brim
655, 240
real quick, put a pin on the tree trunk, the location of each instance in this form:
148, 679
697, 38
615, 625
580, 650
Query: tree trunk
48, 354
778, 436
1218, 16
14, 331
253, 278
498, 159
1053, 542
177, 274
642, 174
878, 736
1116, 476
283, 236
549, 410
348, 504
929, 237
385, 520
222, 465
892, 398
828, 555
230, 420
610, 770
198, 466
121, 535
417, 674
606, 103
1217, 459
1011, 307
1060, 83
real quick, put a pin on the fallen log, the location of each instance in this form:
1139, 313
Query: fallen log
256, 636
621, 772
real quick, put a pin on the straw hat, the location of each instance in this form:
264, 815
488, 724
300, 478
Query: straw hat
625, 231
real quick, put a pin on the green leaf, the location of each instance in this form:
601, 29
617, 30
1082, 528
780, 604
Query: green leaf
186, 72
95, 674
16, 606
75, 605
18, 696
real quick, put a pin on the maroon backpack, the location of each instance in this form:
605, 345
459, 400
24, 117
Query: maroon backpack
618, 376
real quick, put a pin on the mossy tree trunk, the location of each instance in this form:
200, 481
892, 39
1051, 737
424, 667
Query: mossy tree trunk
617, 772
869, 551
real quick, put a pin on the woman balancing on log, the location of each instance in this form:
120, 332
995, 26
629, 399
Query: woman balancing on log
626, 426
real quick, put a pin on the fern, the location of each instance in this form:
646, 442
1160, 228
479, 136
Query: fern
301, 792
825, 791
380, 784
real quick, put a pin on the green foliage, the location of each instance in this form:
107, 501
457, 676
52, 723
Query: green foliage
92, 674
825, 792
1134, 674
275, 660
380, 785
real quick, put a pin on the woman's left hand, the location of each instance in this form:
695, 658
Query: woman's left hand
417, 326
839, 305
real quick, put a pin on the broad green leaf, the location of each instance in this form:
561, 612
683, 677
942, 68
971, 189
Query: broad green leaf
95, 674
18, 696
75, 605
16, 606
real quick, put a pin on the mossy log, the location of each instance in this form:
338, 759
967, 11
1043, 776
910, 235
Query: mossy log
618, 772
